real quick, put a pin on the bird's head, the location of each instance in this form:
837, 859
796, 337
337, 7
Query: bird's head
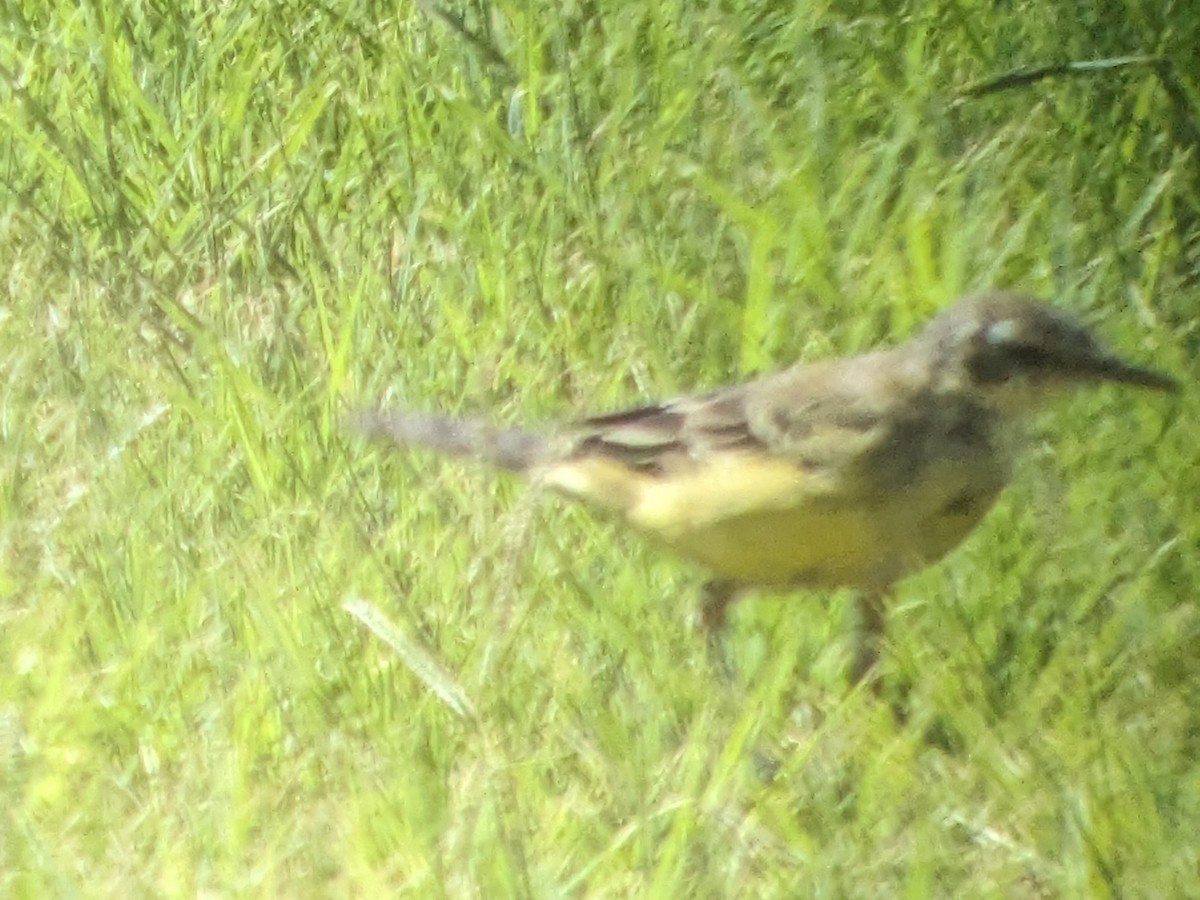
1015, 352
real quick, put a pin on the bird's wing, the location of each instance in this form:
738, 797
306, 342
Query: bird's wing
665, 437
829, 417
820, 417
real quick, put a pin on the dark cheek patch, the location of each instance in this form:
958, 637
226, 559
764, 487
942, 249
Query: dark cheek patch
996, 364
987, 366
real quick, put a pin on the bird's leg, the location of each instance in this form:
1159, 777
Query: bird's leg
870, 636
714, 607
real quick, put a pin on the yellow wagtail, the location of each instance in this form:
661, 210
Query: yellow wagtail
844, 473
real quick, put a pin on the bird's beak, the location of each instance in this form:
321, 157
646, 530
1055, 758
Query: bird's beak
1112, 368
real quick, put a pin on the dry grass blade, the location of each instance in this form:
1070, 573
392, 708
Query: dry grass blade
416, 658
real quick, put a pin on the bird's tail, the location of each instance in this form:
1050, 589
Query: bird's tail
513, 449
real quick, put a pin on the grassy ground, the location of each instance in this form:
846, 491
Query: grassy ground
243, 654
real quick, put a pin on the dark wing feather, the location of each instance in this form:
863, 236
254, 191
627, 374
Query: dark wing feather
660, 439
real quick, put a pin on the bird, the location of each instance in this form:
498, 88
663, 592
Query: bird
850, 472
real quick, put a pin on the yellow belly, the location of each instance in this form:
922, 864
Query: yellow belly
764, 521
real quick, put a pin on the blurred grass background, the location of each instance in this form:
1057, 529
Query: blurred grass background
224, 224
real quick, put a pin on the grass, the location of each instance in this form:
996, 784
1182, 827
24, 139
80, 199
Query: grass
244, 654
